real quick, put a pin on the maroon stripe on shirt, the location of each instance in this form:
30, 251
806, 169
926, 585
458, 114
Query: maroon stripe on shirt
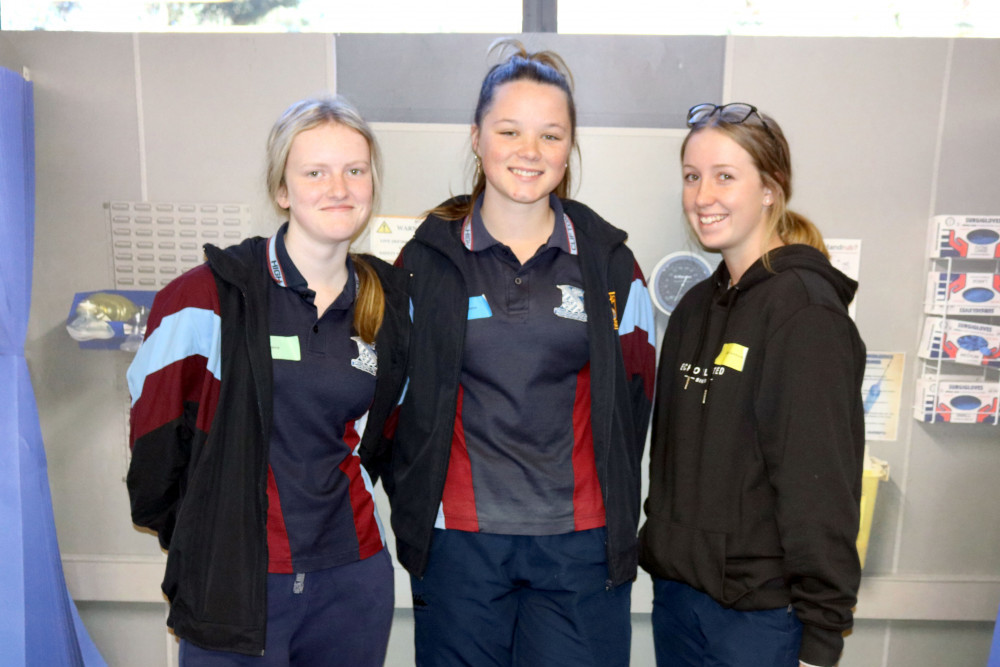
279, 551
369, 539
588, 505
459, 497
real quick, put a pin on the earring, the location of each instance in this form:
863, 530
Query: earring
479, 165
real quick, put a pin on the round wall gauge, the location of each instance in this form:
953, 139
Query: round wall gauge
674, 275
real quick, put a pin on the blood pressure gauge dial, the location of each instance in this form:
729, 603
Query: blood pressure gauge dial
674, 275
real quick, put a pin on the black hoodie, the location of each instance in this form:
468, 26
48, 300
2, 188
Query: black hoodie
757, 445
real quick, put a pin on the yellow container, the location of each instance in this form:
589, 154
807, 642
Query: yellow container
875, 471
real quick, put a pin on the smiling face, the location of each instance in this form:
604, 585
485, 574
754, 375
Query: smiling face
328, 184
725, 199
524, 141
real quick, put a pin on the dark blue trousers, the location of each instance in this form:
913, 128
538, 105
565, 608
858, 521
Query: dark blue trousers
690, 629
500, 600
338, 616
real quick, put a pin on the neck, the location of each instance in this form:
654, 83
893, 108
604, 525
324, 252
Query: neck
738, 263
521, 227
324, 266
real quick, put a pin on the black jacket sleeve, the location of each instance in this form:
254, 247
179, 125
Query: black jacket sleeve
811, 425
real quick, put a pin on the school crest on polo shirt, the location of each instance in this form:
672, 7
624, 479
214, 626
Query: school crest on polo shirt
367, 360
572, 303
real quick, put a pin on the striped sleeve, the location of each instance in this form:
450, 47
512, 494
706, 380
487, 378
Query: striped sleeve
174, 384
637, 332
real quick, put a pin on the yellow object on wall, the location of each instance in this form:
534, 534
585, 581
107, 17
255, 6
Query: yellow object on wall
876, 470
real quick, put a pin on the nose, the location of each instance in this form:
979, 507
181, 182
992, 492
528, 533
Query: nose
528, 148
704, 194
336, 186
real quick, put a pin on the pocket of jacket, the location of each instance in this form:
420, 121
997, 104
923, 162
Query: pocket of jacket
673, 551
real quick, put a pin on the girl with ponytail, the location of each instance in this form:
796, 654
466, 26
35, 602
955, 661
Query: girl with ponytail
758, 427
515, 470
263, 385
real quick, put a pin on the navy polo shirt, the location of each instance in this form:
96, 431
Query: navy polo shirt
320, 508
522, 456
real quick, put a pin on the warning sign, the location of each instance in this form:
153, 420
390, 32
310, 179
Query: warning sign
389, 233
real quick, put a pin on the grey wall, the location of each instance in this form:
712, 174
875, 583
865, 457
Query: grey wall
866, 139
885, 132
7, 57
631, 82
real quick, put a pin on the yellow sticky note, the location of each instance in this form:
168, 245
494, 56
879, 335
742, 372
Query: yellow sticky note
732, 356
285, 347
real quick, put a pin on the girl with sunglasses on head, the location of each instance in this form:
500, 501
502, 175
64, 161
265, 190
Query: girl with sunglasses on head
515, 472
758, 433
250, 398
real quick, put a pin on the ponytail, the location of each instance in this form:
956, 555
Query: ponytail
796, 228
369, 307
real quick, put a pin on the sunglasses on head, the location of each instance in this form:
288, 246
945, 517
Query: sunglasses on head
734, 113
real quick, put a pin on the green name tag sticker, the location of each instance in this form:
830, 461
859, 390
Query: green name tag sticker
285, 347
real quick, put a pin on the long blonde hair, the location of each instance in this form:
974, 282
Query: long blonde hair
307, 114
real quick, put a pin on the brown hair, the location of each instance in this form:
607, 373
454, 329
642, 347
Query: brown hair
762, 138
542, 67
308, 114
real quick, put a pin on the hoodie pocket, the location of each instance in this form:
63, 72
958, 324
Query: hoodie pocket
674, 551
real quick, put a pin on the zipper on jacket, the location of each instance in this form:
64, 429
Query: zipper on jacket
615, 341
225, 275
453, 401
261, 486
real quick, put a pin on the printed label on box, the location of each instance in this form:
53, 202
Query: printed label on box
962, 293
956, 400
972, 343
968, 236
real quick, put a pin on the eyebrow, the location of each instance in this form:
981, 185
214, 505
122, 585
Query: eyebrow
721, 165
517, 122
320, 163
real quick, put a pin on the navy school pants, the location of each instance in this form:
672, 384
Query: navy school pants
501, 600
690, 629
340, 616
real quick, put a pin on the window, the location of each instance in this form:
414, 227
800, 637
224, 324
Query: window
418, 16
807, 18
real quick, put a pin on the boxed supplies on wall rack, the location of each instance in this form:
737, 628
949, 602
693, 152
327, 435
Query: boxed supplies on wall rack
959, 348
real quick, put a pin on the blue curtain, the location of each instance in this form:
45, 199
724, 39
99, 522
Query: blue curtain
39, 624
995, 647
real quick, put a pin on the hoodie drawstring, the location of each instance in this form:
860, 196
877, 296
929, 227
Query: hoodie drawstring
731, 294
730, 300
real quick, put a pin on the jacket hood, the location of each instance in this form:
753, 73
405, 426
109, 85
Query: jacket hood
785, 258
441, 234
236, 263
